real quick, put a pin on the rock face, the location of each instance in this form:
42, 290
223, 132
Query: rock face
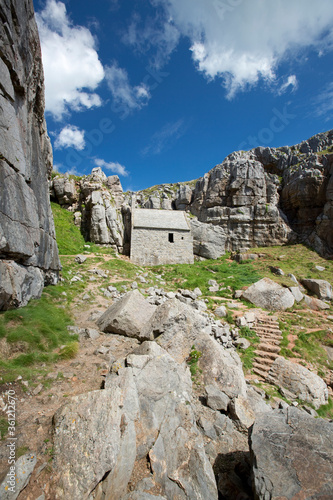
269, 295
269, 196
291, 454
143, 414
98, 205
208, 240
297, 379
28, 250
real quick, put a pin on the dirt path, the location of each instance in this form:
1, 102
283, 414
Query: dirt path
86, 372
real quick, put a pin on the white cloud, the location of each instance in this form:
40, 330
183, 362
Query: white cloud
163, 139
70, 137
291, 83
124, 95
115, 167
70, 61
242, 42
157, 37
323, 104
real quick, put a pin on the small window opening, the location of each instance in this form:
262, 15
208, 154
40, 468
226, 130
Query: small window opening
171, 238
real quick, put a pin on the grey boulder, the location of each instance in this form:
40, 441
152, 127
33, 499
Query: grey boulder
299, 381
269, 295
128, 316
321, 288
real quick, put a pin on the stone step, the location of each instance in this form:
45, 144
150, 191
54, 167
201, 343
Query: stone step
262, 366
265, 322
260, 373
266, 355
268, 330
269, 348
270, 335
270, 340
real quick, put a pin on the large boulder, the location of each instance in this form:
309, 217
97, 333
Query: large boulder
144, 415
27, 235
269, 295
128, 316
208, 240
322, 288
178, 327
299, 381
291, 455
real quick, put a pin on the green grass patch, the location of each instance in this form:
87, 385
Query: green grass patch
309, 346
69, 238
326, 411
230, 275
247, 355
33, 333
3, 427
192, 362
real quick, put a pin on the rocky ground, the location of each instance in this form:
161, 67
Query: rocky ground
222, 404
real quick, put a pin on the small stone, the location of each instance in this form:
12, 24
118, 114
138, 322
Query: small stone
242, 343
221, 311
320, 268
91, 333
80, 259
37, 389
216, 399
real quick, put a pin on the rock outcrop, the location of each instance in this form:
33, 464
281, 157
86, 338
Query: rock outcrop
291, 454
28, 250
262, 197
98, 205
143, 415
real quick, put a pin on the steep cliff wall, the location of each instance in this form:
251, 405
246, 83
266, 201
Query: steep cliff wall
270, 196
28, 250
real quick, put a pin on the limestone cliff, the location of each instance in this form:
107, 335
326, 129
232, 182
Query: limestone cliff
262, 197
28, 250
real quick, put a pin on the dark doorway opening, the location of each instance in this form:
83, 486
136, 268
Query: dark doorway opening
171, 238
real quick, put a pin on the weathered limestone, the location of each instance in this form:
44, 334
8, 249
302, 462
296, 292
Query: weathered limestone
322, 288
208, 240
269, 295
297, 379
27, 235
145, 412
128, 316
291, 455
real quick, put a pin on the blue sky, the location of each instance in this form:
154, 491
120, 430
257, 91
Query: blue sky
160, 91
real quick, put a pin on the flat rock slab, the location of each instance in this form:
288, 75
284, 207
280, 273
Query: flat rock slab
269, 295
292, 456
16, 481
128, 316
297, 379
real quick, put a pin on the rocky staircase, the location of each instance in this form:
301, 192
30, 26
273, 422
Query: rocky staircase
267, 328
